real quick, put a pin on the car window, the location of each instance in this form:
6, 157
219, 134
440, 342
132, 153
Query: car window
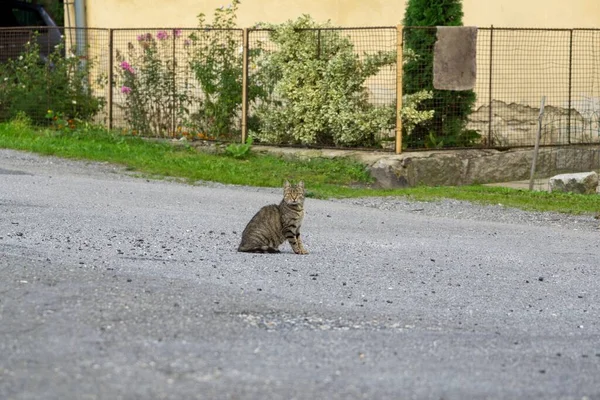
28, 17
17, 16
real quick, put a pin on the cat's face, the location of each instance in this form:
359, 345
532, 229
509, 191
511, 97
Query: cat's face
293, 194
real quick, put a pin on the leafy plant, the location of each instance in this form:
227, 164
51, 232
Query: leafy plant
239, 150
31, 86
58, 121
216, 56
316, 88
451, 108
146, 75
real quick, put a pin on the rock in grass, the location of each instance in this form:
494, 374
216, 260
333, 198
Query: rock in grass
583, 183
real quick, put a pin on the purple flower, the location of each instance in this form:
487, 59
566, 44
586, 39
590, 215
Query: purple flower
162, 35
127, 67
125, 89
176, 32
187, 42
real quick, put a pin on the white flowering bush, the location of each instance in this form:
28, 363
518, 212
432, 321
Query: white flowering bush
317, 89
411, 115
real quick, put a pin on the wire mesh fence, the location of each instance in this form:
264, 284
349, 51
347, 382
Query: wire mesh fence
526, 65
327, 87
177, 83
46, 77
439, 117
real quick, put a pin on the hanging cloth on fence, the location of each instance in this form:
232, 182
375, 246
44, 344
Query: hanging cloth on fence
454, 58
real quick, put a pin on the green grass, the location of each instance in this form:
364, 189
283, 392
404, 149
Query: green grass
325, 178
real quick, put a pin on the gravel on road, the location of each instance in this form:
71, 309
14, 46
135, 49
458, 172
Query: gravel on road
113, 286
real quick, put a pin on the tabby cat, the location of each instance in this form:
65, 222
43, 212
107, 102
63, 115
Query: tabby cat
273, 224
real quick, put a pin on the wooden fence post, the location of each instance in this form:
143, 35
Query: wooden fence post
111, 78
245, 86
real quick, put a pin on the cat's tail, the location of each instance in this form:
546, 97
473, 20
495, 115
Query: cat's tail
257, 249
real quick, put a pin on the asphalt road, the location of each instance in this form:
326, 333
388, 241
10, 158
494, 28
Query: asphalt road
117, 287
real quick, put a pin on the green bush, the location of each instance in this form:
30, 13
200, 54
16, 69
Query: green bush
30, 86
316, 88
451, 108
216, 57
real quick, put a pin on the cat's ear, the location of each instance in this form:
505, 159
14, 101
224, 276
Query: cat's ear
300, 184
286, 184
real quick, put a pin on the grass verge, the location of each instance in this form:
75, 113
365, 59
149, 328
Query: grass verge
325, 178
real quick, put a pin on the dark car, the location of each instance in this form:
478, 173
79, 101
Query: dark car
18, 22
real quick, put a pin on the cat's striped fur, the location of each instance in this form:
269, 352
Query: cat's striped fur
274, 224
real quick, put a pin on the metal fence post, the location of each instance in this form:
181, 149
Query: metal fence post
399, 75
570, 84
245, 85
536, 148
318, 44
489, 141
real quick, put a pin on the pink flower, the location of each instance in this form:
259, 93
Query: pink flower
162, 35
144, 37
127, 67
125, 89
177, 32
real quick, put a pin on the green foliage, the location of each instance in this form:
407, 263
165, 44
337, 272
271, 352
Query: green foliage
239, 150
58, 121
339, 177
316, 87
20, 122
31, 86
146, 76
159, 103
451, 108
216, 59
155, 158
56, 9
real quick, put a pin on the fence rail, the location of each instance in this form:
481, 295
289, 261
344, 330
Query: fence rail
325, 87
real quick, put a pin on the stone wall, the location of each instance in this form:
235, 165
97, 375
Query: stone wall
458, 167
516, 125
465, 167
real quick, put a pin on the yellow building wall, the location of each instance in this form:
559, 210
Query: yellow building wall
138, 14
347, 13
527, 64
532, 13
